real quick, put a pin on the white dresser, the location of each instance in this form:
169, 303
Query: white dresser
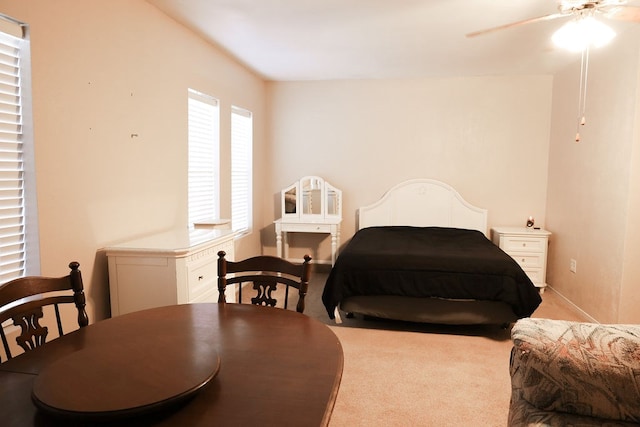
528, 247
174, 267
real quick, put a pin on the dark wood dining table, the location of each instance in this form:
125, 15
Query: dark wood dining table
276, 367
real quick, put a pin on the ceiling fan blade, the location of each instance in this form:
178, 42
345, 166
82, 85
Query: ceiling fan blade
625, 13
514, 24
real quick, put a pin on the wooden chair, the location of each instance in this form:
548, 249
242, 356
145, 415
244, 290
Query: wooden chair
23, 299
266, 273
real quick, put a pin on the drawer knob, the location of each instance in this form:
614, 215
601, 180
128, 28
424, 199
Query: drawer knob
524, 245
522, 259
200, 277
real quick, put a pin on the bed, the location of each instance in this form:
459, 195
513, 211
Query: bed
422, 254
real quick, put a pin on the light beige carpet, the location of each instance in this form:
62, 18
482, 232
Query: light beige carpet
395, 378
425, 375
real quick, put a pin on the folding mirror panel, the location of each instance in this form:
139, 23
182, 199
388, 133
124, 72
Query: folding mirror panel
310, 198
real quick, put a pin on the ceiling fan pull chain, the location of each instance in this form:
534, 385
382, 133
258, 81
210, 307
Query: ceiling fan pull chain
584, 87
582, 101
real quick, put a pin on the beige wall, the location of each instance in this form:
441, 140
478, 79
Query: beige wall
630, 289
487, 137
592, 198
103, 71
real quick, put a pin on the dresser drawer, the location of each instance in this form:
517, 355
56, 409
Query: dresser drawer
202, 278
512, 244
208, 296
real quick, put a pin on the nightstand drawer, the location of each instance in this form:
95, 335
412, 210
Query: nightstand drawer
528, 261
523, 244
535, 275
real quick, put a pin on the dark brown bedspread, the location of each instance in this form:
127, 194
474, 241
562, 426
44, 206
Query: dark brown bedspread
428, 262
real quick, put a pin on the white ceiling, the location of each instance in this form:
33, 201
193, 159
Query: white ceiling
288, 40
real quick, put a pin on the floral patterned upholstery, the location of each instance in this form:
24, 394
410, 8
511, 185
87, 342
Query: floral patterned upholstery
574, 374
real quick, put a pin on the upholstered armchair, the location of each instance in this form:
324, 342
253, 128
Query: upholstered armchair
574, 374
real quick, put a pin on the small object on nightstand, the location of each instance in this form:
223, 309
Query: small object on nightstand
530, 222
528, 247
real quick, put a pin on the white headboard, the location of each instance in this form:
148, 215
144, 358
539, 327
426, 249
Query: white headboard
423, 203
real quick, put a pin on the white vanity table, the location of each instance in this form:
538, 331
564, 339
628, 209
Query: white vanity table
310, 205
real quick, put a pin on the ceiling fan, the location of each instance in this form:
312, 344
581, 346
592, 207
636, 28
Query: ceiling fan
612, 9
580, 32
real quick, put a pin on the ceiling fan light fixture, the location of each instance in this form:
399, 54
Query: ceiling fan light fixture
582, 32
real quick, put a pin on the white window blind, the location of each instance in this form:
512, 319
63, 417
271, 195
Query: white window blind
19, 253
204, 158
241, 169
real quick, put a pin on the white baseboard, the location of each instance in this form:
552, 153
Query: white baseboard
574, 307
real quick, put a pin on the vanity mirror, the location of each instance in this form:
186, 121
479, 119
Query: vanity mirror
312, 198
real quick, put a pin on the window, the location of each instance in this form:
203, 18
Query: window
19, 247
241, 169
204, 158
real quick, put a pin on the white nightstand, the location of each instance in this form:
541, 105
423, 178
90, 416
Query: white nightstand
528, 247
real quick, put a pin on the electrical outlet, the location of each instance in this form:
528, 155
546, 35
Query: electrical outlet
573, 266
